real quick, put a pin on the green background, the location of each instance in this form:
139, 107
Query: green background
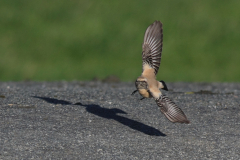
83, 39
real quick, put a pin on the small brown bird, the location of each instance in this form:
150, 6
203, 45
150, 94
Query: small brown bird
146, 84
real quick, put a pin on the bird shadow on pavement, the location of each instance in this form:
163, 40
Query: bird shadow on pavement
111, 113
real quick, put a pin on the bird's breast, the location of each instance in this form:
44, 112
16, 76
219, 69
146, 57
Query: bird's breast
144, 93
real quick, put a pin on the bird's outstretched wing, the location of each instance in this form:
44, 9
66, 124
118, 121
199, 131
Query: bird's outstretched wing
152, 46
171, 110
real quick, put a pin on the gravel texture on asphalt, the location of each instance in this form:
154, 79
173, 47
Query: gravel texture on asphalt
95, 120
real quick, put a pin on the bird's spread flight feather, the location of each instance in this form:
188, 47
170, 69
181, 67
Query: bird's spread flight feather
152, 46
171, 110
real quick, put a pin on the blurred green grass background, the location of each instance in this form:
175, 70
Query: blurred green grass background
82, 39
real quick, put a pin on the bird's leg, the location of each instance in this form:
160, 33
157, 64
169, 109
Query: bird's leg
134, 92
142, 98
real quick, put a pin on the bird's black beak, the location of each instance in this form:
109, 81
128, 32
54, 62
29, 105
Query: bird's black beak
164, 86
134, 92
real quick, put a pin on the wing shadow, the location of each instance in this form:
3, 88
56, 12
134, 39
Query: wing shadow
111, 113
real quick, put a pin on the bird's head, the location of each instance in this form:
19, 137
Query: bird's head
141, 83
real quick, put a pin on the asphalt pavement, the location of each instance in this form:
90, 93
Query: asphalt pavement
100, 120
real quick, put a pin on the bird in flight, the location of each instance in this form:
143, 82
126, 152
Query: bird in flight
146, 84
